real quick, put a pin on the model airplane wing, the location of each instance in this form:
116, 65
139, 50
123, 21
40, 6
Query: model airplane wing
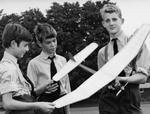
108, 72
79, 57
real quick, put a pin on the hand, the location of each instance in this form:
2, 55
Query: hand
111, 87
117, 82
52, 87
120, 79
45, 106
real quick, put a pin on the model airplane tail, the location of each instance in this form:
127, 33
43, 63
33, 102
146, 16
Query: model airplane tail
109, 71
78, 58
81, 65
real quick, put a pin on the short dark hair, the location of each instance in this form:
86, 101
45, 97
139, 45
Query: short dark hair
16, 32
44, 31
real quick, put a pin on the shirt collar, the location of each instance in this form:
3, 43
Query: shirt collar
120, 36
45, 55
10, 57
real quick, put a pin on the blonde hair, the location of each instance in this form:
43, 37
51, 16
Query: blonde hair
110, 8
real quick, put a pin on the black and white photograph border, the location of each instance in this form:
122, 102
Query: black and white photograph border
135, 13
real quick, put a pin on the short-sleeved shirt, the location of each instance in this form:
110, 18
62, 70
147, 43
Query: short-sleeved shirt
11, 78
141, 63
39, 71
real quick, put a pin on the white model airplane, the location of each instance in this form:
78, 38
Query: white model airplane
108, 72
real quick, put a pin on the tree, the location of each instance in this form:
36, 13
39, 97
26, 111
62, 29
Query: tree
31, 17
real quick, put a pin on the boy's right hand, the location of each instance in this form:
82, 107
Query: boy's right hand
45, 106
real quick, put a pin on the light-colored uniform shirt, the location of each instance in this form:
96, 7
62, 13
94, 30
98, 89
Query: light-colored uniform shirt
39, 71
11, 78
142, 63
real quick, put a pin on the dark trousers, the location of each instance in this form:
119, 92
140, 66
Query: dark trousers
128, 101
55, 111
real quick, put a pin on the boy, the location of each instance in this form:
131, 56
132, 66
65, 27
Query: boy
41, 68
14, 89
128, 101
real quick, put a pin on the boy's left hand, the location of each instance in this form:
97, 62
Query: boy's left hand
52, 87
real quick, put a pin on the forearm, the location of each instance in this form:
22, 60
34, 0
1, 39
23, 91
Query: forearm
11, 104
18, 105
138, 78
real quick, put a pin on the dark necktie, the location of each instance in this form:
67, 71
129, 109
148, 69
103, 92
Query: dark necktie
55, 95
53, 69
28, 80
115, 46
32, 86
115, 49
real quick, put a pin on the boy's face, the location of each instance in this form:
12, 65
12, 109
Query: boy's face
21, 49
112, 22
49, 45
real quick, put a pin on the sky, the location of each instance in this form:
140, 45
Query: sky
135, 12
